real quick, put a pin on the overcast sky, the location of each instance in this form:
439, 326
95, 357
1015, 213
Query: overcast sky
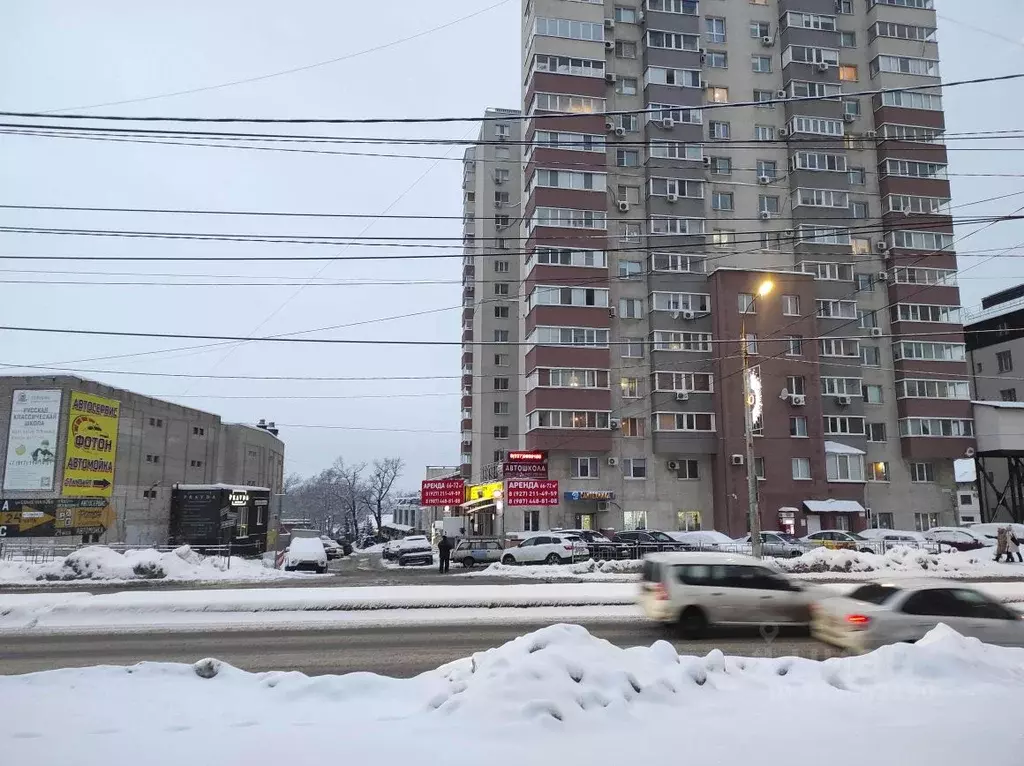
67, 55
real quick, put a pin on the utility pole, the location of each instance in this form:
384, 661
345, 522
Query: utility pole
753, 514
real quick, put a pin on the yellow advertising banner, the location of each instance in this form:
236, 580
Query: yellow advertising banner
91, 447
483, 491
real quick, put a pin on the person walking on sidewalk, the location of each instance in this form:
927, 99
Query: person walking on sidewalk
1012, 546
444, 550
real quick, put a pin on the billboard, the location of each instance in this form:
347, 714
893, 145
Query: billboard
32, 440
443, 492
55, 517
91, 446
523, 492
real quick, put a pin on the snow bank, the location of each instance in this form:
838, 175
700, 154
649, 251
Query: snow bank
900, 560
601, 571
98, 562
558, 693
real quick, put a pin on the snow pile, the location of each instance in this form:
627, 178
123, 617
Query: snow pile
558, 692
98, 562
899, 560
602, 571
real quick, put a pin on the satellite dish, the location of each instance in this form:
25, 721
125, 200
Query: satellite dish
784, 395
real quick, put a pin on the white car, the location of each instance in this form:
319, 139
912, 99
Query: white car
331, 547
961, 538
705, 539
884, 539
695, 590
988, 532
547, 548
306, 553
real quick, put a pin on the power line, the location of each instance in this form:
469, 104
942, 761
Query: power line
503, 118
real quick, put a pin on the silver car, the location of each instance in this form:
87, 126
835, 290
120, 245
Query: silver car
776, 544
876, 614
469, 553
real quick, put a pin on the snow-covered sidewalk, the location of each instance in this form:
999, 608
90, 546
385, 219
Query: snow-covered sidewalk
557, 694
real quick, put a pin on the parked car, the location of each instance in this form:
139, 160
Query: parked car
306, 554
838, 538
884, 539
471, 552
705, 539
390, 549
777, 544
882, 613
415, 549
600, 547
346, 546
547, 548
961, 538
332, 548
649, 541
695, 590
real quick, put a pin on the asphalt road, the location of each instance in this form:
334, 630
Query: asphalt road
395, 651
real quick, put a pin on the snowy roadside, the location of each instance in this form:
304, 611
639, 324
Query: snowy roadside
549, 692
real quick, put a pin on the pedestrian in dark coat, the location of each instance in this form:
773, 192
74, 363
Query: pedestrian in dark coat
444, 550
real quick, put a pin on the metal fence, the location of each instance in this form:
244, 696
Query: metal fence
630, 551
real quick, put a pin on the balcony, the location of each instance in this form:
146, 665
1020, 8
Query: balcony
467, 336
467, 424
467, 369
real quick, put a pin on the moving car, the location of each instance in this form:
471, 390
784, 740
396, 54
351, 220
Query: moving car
414, 549
306, 554
695, 590
902, 612
333, 549
777, 544
961, 538
838, 538
469, 553
547, 548
649, 541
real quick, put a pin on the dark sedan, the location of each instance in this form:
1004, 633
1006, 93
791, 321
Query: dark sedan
644, 541
600, 547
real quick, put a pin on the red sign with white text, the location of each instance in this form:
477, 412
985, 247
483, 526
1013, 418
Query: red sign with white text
525, 492
443, 492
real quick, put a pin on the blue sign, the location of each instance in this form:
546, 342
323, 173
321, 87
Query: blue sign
589, 494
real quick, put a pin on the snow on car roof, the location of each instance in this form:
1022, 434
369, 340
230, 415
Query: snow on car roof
312, 545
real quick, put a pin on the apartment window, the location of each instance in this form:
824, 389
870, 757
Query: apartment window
531, 521
626, 86
795, 385
939, 427
872, 394
714, 30
867, 319
632, 520
759, 29
689, 470
878, 471
632, 348
632, 428
794, 345
859, 209
801, 468
768, 204
672, 41
721, 166
798, 427
759, 473
501, 432
718, 129
865, 283
847, 39
767, 168
501, 384
156, 422
631, 308
195, 463
750, 342
770, 240
791, 305
150, 493
858, 176
625, 15
722, 201
844, 426
573, 30
844, 467
584, 467
1008, 394
501, 336
716, 95
761, 64
629, 232
630, 269
765, 99
632, 388
870, 356
921, 473
1004, 361
634, 468
501, 288
876, 432
501, 312
627, 158
152, 458
747, 304
568, 419
198, 431
723, 237
716, 60
847, 73
502, 360
764, 133
625, 50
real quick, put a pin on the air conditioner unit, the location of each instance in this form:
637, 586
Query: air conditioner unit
609, 125
673, 465
767, 41
707, 162
883, 276
704, 84
667, 123
849, 117
614, 423
764, 180
609, 23
843, 401
609, 45
498, 203
781, 94
765, 215
822, 66
737, 459
610, 77
620, 132
611, 311
682, 396
798, 400
613, 461
623, 207
672, 197
782, 132
882, 246
870, 134
876, 332
602, 505
499, 180
688, 314
676, 314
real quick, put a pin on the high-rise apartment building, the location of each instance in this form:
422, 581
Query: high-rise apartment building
492, 191
655, 210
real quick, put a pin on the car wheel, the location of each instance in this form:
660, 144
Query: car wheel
693, 623
508, 560
866, 550
795, 554
401, 562
553, 558
468, 562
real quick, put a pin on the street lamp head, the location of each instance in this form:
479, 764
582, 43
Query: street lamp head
765, 287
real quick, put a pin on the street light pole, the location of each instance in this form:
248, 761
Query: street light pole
753, 514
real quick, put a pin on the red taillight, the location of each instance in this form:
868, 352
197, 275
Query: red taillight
567, 547
661, 592
858, 620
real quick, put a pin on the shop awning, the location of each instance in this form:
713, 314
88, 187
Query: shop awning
834, 506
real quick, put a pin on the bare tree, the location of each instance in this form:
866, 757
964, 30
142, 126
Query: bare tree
352, 492
380, 484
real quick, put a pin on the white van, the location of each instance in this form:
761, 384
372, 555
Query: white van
693, 591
